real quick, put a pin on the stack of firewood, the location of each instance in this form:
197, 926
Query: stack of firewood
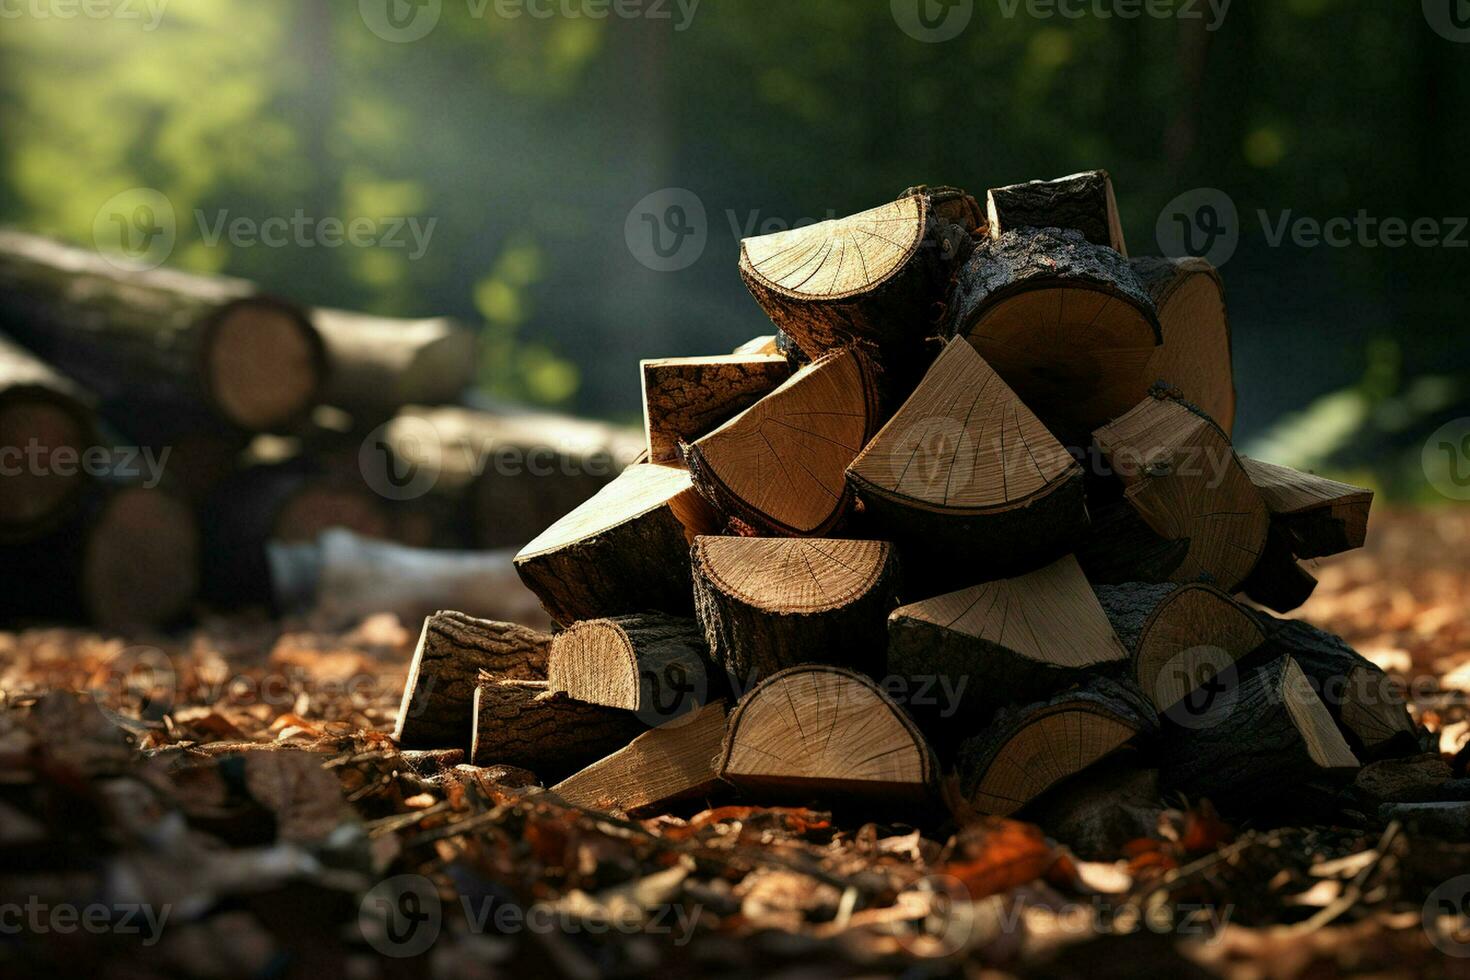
161, 433
974, 509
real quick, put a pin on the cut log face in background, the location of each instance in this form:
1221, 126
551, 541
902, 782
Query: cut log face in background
780, 466
814, 730
1317, 516
1195, 355
1082, 202
625, 550
1019, 639
521, 723
966, 473
770, 603
685, 397
652, 664
1184, 480
1065, 322
380, 364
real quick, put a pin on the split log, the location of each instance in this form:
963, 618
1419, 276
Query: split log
1120, 548
685, 397
811, 732
952, 204
522, 724
46, 424
453, 651
1317, 516
342, 578
1184, 480
1065, 322
1278, 581
1180, 636
965, 477
201, 345
780, 466
656, 770
758, 346
1008, 641
1028, 749
1083, 202
770, 603
654, 665
626, 550
1272, 735
1100, 810
380, 364
1195, 356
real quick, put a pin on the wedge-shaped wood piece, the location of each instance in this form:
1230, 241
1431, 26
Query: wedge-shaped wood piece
658, 768
770, 603
1065, 322
1317, 516
521, 723
965, 472
625, 550
454, 650
1030, 748
1278, 581
872, 277
649, 663
765, 344
1195, 355
685, 397
1184, 480
817, 731
952, 204
780, 466
1003, 642
1180, 636
1263, 737
1083, 202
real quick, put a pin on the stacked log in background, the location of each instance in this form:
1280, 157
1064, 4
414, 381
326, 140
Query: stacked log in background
968, 524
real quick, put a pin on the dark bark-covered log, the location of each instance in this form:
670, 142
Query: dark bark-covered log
819, 732
521, 723
1120, 548
1065, 322
377, 364
649, 663
1195, 356
780, 466
1278, 582
872, 278
161, 339
1028, 749
1316, 516
658, 769
686, 397
1003, 642
46, 423
1186, 483
967, 480
342, 578
1082, 202
953, 204
1101, 809
770, 603
1267, 735
626, 550
453, 651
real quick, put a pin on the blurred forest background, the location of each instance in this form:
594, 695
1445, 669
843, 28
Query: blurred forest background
529, 141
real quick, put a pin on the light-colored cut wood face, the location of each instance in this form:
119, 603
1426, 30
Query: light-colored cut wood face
1190, 637
1076, 356
964, 442
839, 257
815, 723
1051, 616
1324, 741
594, 661
792, 575
262, 367
1289, 491
1043, 753
787, 455
636, 491
1195, 355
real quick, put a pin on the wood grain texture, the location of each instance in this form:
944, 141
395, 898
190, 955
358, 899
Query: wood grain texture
1195, 356
521, 723
685, 397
